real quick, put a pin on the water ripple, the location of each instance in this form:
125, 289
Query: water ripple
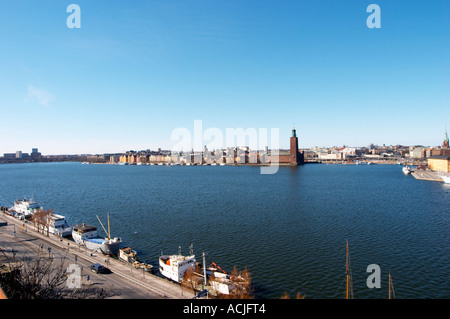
289, 229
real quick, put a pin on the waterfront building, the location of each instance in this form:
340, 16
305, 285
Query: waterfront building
123, 159
296, 157
35, 154
9, 155
292, 156
309, 156
333, 155
348, 152
440, 163
289, 157
421, 152
114, 159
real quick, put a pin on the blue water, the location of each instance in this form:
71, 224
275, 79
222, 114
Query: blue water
289, 229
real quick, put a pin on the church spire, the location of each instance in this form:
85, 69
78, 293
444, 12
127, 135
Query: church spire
445, 139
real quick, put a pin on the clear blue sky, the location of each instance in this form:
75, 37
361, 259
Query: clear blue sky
137, 70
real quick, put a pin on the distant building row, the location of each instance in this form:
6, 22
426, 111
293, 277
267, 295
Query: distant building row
231, 155
19, 155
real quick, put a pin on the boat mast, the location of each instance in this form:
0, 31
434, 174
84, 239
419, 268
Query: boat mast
389, 285
348, 272
107, 233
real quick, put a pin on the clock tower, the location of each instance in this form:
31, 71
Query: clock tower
296, 157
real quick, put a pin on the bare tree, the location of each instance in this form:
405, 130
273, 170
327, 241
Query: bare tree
242, 287
191, 279
41, 219
39, 278
298, 296
285, 296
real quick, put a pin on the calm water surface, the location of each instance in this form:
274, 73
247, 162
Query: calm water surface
289, 229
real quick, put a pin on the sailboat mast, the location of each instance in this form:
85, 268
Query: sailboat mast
346, 270
389, 285
109, 231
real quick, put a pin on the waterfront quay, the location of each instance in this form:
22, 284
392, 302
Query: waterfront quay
125, 281
427, 175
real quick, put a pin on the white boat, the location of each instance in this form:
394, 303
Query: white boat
174, 266
24, 208
219, 280
406, 170
446, 179
129, 255
58, 225
87, 236
221, 283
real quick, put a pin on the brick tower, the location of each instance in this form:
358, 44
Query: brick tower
296, 157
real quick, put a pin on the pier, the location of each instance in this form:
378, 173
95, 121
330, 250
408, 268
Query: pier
427, 175
143, 284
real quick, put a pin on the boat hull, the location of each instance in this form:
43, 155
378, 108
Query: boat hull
174, 267
63, 232
101, 245
446, 179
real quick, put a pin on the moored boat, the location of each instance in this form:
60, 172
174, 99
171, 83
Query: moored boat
174, 266
219, 280
406, 170
446, 179
129, 255
58, 225
24, 208
87, 236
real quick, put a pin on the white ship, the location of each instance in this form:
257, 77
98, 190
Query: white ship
174, 266
58, 225
24, 208
406, 170
87, 236
446, 179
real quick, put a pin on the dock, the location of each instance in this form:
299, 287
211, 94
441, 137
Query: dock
156, 287
427, 175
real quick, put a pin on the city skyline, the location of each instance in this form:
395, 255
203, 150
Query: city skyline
133, 73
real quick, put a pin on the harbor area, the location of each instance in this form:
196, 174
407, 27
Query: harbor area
428, 175
125, 280
181, 275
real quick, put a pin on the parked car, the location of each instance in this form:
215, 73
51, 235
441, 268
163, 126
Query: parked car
100, 269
